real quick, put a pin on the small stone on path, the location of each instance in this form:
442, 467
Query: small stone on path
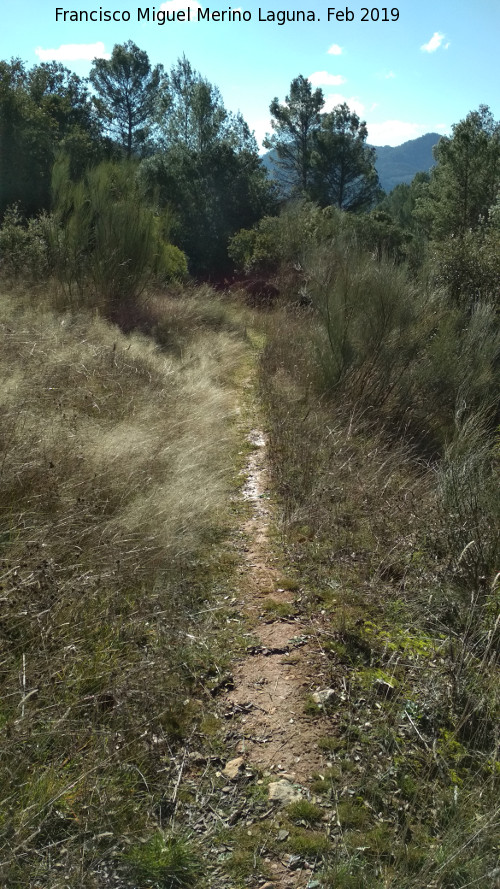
322, 697
233, 768
284, 792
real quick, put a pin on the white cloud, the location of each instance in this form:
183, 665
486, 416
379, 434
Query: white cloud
390, 75
73, 52
324, 78
434, 43
334, 99
395, 132
335, 50
261, 126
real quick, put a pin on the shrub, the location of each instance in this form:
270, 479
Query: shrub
172, 264
278, 242
398, 348
24, 246
111, 241
367, 308
469, 266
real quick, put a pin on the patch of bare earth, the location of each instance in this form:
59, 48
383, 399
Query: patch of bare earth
282, 667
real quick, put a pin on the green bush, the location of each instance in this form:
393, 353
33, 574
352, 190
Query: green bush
24, 246
469, 266
280, 241
173, 263
394, 345
111, 242
368, 310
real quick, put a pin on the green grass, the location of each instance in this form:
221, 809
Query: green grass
303, 810
166, 862
376, 537
277, 610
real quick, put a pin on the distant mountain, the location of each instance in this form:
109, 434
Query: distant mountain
399, 164
394, 165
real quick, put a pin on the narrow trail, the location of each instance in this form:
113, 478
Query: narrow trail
272, 683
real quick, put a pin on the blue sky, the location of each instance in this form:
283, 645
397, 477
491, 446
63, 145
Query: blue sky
421, 73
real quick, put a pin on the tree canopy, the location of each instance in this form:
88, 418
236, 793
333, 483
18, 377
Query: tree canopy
320, 156
206, 169
343, 165
465, 182
42, 111
127, 90
295, 124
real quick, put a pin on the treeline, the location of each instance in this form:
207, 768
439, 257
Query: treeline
194, 169
189, 153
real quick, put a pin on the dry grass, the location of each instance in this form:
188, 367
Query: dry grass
410, 625
117, 461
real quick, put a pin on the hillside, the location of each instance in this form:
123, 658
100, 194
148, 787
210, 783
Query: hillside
394, 164
401, 163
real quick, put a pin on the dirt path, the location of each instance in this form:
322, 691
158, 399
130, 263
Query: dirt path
272, 684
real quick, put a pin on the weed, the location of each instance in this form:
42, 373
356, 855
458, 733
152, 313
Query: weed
278, 610
352, 874
353, 814
251, 845
303, 810
308, 843
167, 862
331, 744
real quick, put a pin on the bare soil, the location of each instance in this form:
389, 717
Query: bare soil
284, 666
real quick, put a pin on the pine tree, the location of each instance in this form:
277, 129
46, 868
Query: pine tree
127, 88
295, 124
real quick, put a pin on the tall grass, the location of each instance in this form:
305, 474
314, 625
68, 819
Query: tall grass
400, 555
116, 463
399, 348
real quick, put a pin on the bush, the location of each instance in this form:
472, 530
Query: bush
24, 246
368, 310
173, 264
469, 266
398, 348
278, 242
111, 241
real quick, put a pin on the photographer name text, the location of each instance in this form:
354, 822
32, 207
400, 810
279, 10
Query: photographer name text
277, 16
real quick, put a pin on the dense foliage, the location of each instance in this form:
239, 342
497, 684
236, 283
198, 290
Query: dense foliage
43, 111
322, 156
200, 162
127, 90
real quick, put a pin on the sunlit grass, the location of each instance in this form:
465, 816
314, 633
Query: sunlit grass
117, 461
